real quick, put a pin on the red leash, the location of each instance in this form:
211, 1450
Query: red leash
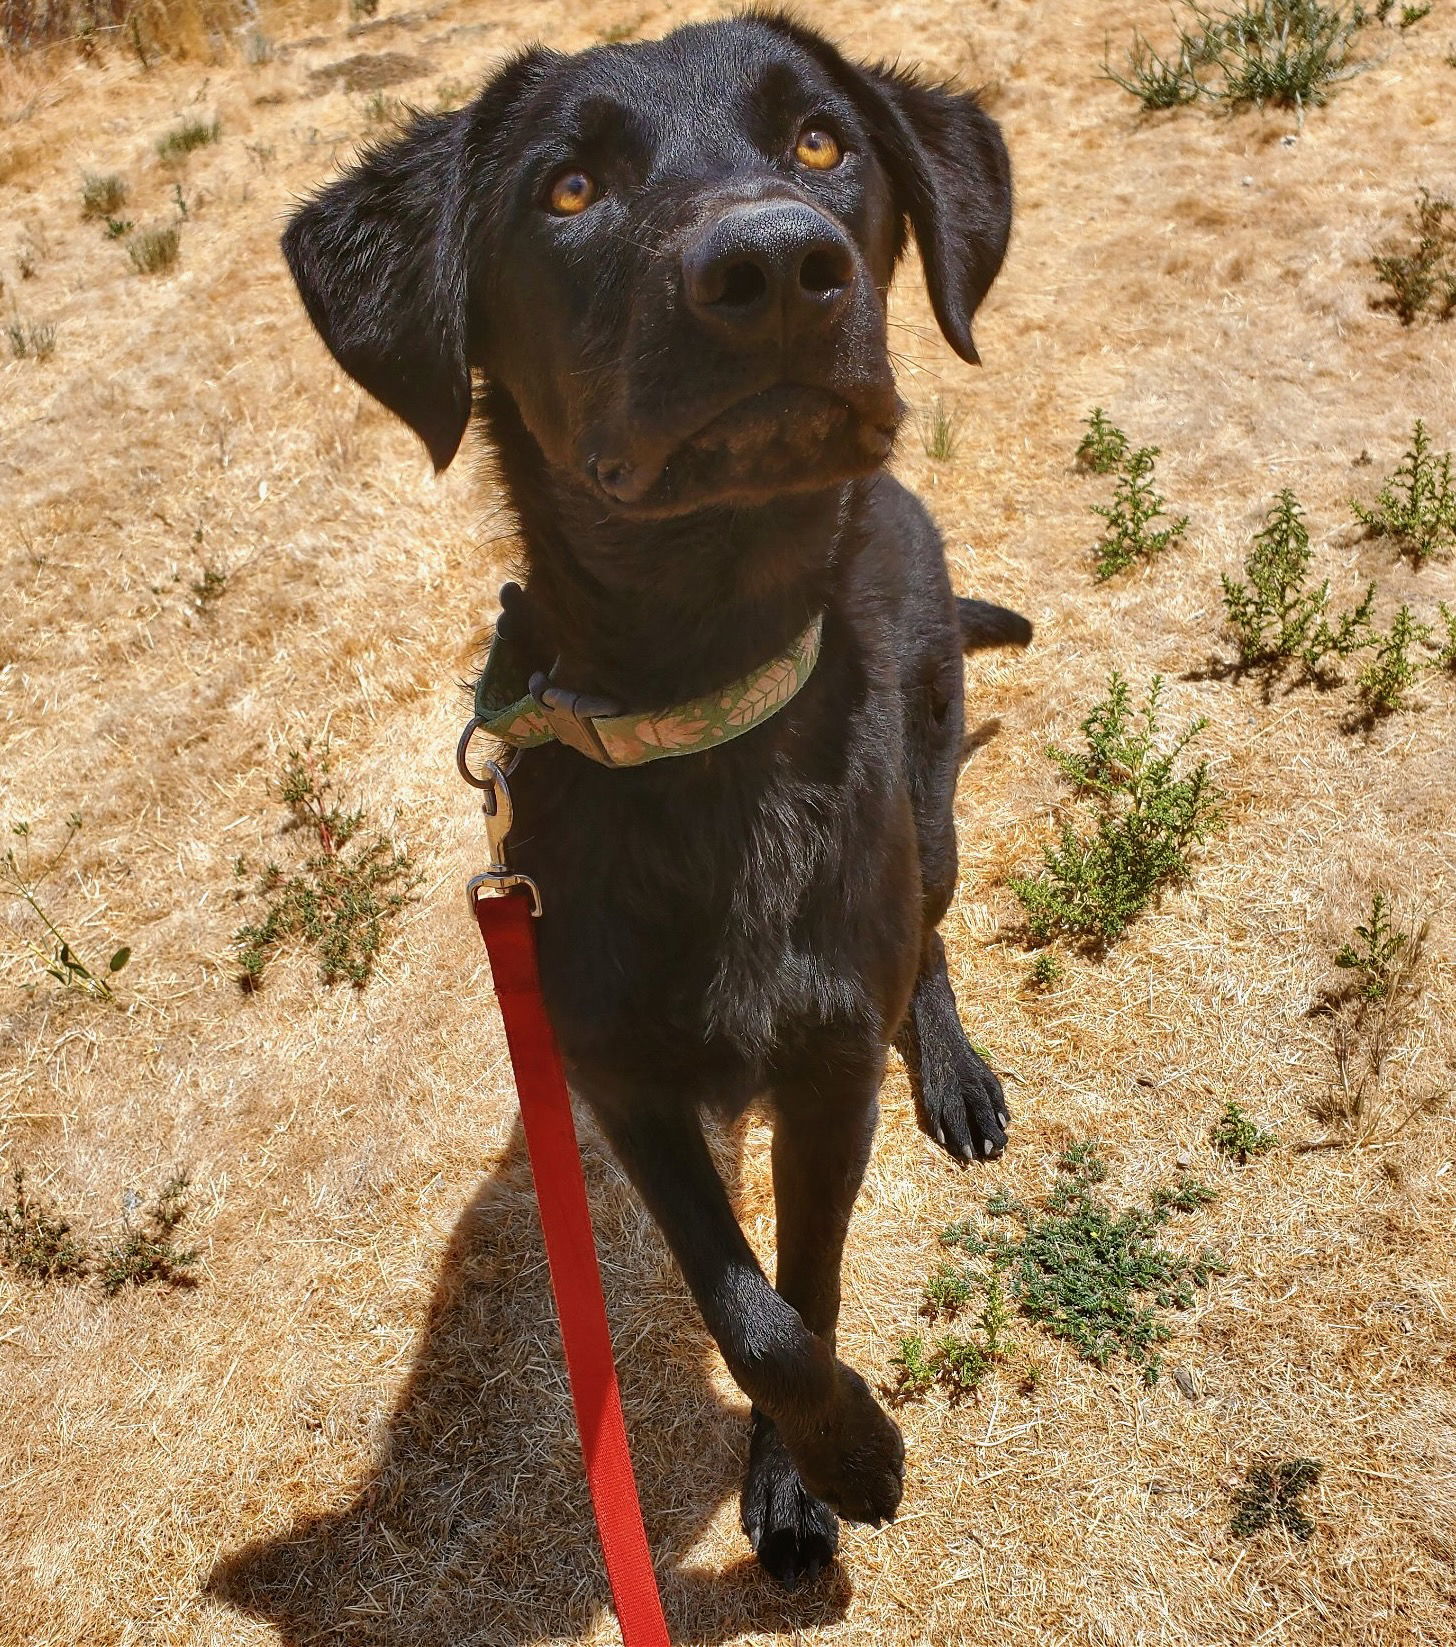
505, 924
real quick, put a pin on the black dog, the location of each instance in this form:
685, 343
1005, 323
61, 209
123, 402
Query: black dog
669, 263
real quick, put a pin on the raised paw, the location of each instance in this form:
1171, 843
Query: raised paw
962, 1107
851, 1457
793, 1534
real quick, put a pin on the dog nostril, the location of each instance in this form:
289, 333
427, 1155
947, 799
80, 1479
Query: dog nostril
823, 272
743, 285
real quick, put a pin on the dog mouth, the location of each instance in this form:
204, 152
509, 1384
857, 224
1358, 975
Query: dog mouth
788, 437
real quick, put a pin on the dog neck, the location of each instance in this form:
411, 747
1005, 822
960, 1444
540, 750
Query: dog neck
652, 612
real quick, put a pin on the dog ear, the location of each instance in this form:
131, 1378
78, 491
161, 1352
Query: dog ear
949, 170
381, 260
952, 176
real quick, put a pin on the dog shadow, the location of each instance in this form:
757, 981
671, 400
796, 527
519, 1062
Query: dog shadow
474, 1524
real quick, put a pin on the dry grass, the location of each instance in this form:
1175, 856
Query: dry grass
354, 1428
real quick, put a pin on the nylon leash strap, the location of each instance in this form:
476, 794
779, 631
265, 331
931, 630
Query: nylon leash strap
505, 907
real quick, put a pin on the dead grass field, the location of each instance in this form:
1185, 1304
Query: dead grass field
355, 1429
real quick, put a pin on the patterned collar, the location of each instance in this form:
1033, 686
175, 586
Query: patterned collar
525, 712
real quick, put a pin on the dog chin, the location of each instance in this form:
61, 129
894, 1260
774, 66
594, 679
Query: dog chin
789, 438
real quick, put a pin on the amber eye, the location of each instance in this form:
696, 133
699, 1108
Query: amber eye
817, 149
571, 193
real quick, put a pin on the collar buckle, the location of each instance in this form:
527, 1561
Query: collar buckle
571, 714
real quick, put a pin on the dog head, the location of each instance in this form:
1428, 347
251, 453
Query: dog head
673, 257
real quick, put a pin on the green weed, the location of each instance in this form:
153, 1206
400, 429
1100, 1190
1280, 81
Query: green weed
1130, 536
1422, 280
1275, 616
1156, 81
147, 1251
154, 251
940, 431
118, 228
102, 196
1271, 1493
1280, 53
351, 883
958, 1362
21, 878
1371, 1016
1146, 819
1373, 954
1045, 972
1416, 508
1104, 446
31, 341
1383, 684
35, 1242
192, 133
1098, 1279
1236, 1135
1446, 655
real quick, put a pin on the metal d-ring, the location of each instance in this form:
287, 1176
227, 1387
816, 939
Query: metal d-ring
504, 764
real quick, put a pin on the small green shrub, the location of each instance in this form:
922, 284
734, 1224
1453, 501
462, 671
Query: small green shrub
1098, 1279
1284, 53
1236, 1135
940, 431
1416, 508
1422, 279
1271, 1493
350, 885
1129, 536
1103, 448
1373, 955
1384, 683
35, 1242
1146, 818
21, 878
102, 196
958, 1362
1156, 81
30, 341
1372, 1018
1411, 15
1276, 616
1446, 655
154, 251
1045, 972
148, 1252
118, 228
192, 133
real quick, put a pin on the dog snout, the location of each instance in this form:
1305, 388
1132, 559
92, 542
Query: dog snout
767, 270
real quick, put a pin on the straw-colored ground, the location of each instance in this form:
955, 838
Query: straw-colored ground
355, 1429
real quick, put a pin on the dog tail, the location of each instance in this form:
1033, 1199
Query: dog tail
983, 624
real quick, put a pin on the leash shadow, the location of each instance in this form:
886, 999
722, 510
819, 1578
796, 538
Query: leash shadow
474, 1525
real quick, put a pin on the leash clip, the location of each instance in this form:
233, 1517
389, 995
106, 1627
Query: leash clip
496, 809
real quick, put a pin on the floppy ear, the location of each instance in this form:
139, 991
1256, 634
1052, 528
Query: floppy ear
381, 260
950, 173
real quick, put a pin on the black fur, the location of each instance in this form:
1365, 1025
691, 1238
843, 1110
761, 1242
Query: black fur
688, 390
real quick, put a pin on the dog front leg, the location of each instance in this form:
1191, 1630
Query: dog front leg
824, 1125
847, 1451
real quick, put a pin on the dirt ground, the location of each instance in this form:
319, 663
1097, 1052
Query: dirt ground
354, 1429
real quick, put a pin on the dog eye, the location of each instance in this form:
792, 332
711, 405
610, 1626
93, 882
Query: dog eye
817, 149
570, 193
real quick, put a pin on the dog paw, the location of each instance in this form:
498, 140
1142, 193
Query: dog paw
853, 1459
793, 1534
964, 1109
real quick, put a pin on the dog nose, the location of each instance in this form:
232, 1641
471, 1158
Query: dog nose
767, 270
